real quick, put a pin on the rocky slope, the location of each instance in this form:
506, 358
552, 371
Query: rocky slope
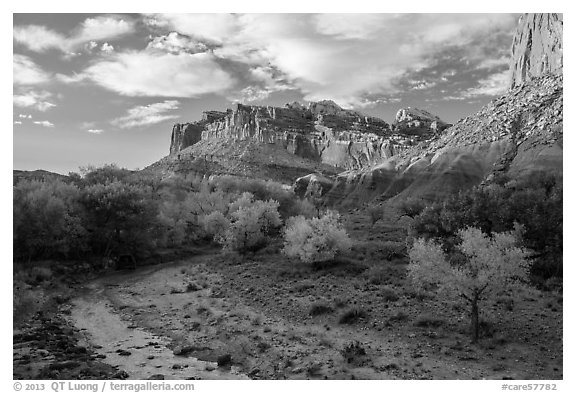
518, 134
322, 132
537, 47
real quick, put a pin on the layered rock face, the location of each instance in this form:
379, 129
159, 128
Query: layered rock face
537, 47
322, 132
187, 134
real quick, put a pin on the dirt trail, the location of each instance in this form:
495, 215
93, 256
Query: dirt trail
140, 353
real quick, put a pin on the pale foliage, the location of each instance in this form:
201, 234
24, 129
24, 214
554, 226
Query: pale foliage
244, 201
215, 224
251, 226
315, 239
491, 263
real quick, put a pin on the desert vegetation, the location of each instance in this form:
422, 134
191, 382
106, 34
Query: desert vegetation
449, 281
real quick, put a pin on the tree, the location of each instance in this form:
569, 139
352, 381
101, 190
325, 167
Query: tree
47, 220
486, 265
315, 239
119, 216
251, 226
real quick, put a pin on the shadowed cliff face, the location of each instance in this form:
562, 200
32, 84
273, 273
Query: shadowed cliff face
537, 47
323, 132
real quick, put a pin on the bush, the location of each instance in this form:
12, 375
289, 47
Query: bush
412, 207
251, 226
319, 309
315, 239
352, 316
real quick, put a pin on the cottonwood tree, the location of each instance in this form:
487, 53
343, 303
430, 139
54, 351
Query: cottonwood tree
315, 239
490, 264
251, 226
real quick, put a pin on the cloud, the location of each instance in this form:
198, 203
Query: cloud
26, 72
176, 43
34, 99
107, 48
95, 131
344, 57
212, 27
158, 74
102, 28
17, 122
490, 64
145, 115
493, 85
44, 123
23, 116
40, 39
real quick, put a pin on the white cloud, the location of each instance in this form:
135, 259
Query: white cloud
17, 122
493, 85
145, 115
91, 45
95, 131
176, 43
26, 72
40, 38
23, 116
343, 57
44, 123
33, 99
102, 28
490, 64
107, 48
211, 27
158, 74
351, 26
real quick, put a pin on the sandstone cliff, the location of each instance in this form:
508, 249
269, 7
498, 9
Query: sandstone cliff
537, 47
322, 132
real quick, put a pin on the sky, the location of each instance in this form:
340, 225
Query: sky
91, 89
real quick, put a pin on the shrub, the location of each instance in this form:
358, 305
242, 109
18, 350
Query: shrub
319, 309
352, 351
251, 226
428, 321
352, 316
488, 266
315, 239
412, 207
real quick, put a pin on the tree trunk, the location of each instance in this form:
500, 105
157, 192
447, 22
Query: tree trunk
475, 319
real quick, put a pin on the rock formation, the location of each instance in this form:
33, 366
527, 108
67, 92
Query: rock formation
537, 47
414, 121
519, 133
323, 131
